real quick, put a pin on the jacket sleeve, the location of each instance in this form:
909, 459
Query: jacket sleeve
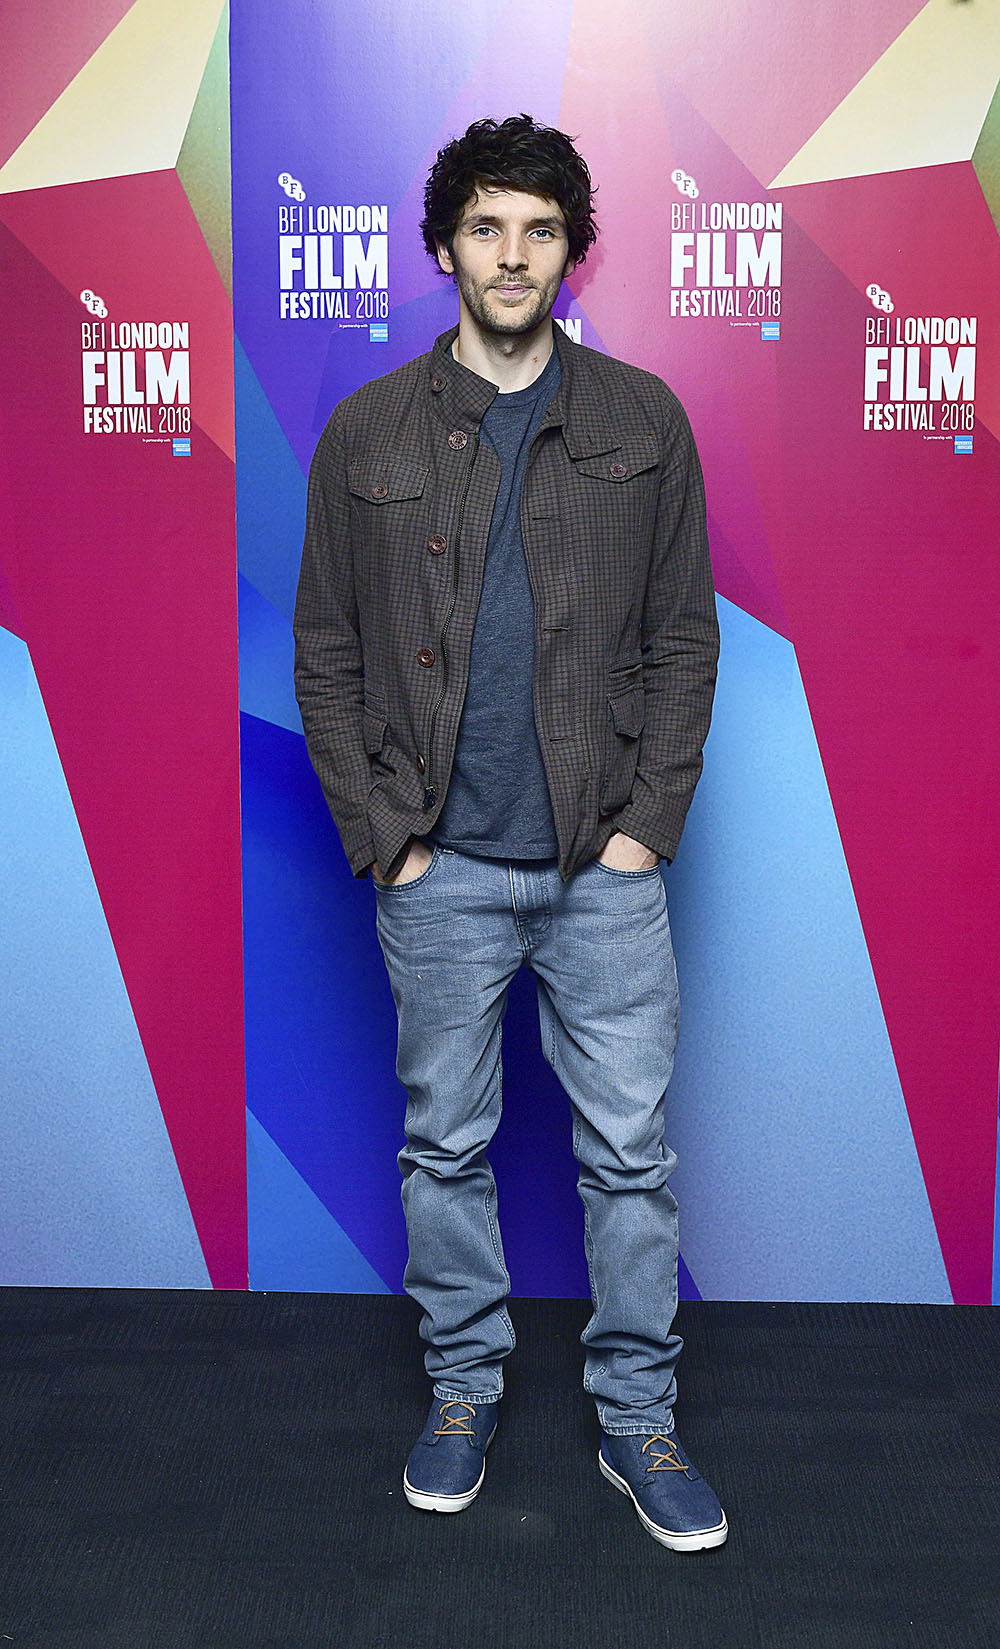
329, 677
680, 649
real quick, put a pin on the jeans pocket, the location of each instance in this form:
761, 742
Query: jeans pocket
627, 875
399, 888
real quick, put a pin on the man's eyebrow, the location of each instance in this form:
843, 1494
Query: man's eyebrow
533, 223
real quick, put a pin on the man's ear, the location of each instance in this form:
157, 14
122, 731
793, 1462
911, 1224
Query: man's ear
444, 258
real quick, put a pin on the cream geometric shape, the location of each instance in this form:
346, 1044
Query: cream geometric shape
922, 103
128, 108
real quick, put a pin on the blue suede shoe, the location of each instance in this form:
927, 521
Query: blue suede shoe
674, 1504
447, 1464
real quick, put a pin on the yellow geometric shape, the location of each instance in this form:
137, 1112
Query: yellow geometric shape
203, 163
128, 108
921, 104
986, 158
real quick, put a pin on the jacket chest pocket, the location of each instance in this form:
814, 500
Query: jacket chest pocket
387, 497
613, 504
625, 474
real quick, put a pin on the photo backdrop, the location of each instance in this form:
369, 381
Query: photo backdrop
121, 1057
799, 215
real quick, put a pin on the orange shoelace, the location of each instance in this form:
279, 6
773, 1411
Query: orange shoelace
459, 1425
667, 1461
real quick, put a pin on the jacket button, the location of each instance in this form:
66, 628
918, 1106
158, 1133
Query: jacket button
619, 471
421, 764
437, 385
380, 489
426, 657
457, 440
437, 545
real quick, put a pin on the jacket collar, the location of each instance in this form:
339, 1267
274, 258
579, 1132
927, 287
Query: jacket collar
579, 405
461, 398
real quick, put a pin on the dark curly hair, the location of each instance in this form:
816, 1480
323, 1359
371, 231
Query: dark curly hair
509, 154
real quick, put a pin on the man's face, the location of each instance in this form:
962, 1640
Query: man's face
509, 256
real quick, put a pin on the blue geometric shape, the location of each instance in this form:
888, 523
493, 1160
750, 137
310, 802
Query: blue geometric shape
267, 650
92, 1196
687, 1288
295, 1242
798, 1174
270, 495
320, 1021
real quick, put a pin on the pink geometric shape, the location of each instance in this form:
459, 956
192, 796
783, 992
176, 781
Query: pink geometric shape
47, 43
121, 561
724, 375
901, 230
8, 612
735, 580
136, 242
890, 576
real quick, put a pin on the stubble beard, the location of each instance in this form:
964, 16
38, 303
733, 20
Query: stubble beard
498, 322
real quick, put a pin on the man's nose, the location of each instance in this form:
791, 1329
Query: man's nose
513, 254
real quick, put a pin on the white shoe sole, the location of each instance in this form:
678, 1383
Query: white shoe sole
446, 1502
700, 1541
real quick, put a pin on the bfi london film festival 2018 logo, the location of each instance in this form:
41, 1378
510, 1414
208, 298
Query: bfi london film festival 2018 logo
136, 377
920, 373
333, 262
725, 258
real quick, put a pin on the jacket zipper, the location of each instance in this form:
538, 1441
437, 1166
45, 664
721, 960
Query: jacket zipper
430, 790
534, 597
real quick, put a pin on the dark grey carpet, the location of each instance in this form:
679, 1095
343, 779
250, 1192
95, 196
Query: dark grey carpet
201, 1471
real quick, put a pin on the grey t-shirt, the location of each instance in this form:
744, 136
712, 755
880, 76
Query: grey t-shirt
497, 805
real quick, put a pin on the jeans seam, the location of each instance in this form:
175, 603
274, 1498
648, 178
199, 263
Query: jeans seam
522, 941
450, 1395
635, 1431
590, 1375
491, 1189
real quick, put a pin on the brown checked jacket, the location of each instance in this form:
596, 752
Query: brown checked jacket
401, 494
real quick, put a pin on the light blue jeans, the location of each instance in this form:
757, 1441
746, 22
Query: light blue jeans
600, 947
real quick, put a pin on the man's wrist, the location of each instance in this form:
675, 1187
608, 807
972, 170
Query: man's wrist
623, 852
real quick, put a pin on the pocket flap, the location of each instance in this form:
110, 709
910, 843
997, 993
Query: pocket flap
386, 480
619, 466
628, 712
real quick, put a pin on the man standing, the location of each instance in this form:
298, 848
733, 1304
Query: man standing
506, 651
